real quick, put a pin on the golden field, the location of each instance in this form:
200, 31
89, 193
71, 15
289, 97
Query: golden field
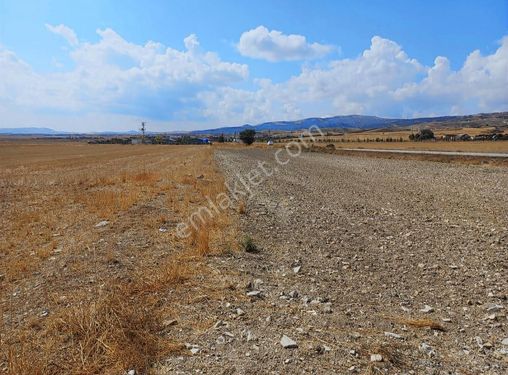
464, 146
80, 298
367, 139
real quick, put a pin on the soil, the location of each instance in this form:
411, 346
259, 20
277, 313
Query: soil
369, 265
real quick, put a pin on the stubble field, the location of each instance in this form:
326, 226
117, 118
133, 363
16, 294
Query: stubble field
369, 265
91, 270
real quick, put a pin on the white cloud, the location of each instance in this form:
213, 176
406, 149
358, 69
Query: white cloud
115, 76
65, 32
383, 81
261, 43
114, 84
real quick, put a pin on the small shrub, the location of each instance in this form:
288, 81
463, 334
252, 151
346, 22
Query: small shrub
241, 207
249, 246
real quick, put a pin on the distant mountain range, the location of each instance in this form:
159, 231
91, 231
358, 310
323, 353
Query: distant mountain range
52, 132
359, 122
30, 131
350, 122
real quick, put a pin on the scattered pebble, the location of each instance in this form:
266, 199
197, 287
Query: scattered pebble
393, 335
254, 293
169, 322
427, 309
288, 343
424, 347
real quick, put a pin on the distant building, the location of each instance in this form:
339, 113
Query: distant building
136, 141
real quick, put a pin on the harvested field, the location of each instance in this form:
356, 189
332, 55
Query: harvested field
465, 146
91, 270
369, 265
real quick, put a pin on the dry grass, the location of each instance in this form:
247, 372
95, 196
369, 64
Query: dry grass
241, 207
421, 323
464, 146
366, 139
470, 160
79, 299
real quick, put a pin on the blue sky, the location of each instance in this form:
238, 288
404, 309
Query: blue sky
97, 65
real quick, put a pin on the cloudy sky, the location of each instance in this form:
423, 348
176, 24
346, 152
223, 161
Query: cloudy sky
187, 64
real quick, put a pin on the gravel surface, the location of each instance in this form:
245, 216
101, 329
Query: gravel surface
355, 253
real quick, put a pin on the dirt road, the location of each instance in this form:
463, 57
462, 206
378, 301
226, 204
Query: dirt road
429, 152
357, 254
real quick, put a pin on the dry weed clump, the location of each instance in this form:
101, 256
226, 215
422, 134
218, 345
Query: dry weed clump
241, 207
421, 323
80, 299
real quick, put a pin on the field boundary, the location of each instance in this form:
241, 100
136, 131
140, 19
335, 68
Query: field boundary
430, 152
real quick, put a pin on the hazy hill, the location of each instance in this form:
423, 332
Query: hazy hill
357, 122
30, 130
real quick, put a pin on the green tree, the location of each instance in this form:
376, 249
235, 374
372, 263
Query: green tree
247, 136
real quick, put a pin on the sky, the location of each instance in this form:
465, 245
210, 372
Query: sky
187, 64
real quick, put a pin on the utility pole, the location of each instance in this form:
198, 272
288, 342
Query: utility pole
143, 128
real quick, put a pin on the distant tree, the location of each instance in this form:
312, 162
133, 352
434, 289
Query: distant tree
422, 135
247, 136
221, 138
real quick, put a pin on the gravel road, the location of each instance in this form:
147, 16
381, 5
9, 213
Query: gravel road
429, 152
355, 254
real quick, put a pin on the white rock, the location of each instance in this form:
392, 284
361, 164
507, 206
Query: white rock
293, 294
376, 358
256, 284
427, 349
101, 224
194, 350
505, 341
131, 372
288, 343
297, 269
250, 336
427, 309
393, 335
254, 293
494, 307
221, 340
240, 312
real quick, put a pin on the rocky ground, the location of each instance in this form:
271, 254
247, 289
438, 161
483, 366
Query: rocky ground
365, 266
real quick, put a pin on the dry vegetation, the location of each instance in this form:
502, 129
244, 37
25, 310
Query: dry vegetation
366, 139
77, 298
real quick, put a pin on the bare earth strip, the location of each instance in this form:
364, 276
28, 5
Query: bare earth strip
421, 152
376, 241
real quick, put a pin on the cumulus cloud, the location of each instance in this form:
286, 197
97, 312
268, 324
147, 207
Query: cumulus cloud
65, 32
261, 43
114, 83
382, 81
116, 76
